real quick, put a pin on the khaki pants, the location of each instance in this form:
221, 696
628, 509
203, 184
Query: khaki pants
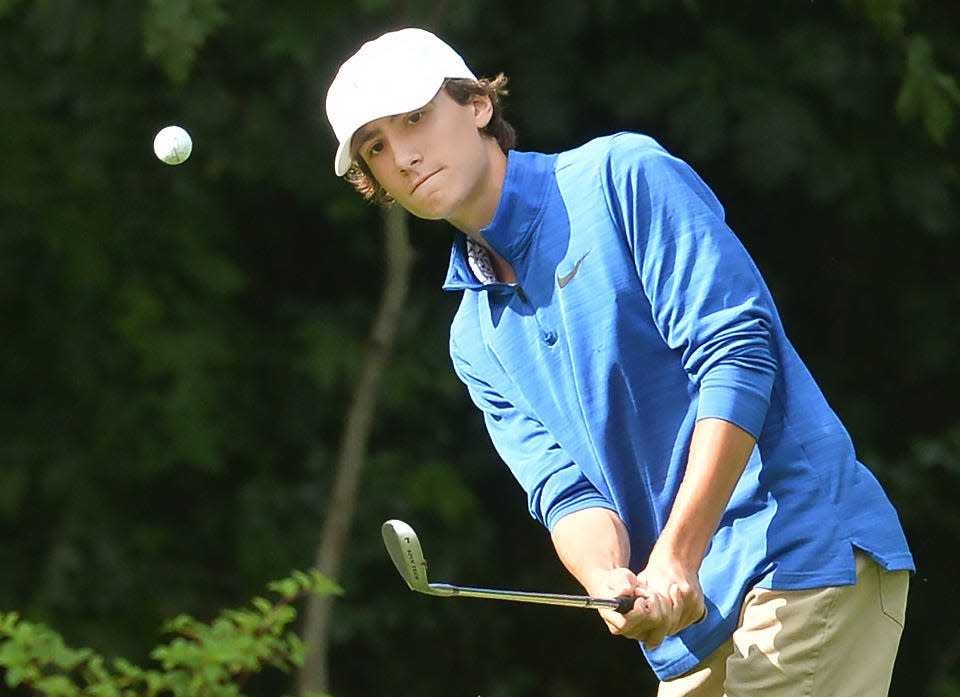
827, 642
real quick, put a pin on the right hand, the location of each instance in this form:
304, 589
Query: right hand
650, 609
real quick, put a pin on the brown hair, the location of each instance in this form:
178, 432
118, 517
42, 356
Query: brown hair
461, 90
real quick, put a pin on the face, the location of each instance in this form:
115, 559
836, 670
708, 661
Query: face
435, 162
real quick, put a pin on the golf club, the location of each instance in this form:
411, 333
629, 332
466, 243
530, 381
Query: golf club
407, 555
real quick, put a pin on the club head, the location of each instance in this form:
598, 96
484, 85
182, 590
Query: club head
403, 546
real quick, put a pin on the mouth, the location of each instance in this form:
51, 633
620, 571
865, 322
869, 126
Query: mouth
421, 180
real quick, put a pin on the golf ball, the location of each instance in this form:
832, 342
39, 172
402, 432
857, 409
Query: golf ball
172, 145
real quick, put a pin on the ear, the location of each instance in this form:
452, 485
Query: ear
482, 110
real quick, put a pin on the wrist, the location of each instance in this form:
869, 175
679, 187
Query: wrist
671, 552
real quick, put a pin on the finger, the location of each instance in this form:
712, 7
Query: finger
703, 614
643, 591
614, 583
650, 608
614, 620
623, 587
680, 609
657, 631
654, 639
676, 596
692, 606
641, 603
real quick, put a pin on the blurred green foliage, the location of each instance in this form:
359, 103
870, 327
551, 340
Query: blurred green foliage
179, 343
174, 30
215, 659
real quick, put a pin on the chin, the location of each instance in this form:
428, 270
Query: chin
433, 208
426, 216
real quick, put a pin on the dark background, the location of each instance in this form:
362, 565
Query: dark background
179, 343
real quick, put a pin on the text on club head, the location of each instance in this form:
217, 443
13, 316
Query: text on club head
411, 562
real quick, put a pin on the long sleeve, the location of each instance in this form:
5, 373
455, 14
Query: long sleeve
708, 299
554, 485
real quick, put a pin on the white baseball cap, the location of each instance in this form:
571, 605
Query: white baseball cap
393, 74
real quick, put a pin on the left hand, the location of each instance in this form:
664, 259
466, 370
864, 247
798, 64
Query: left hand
680, 585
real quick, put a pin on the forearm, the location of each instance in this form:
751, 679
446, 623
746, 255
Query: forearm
719, 451
591, 541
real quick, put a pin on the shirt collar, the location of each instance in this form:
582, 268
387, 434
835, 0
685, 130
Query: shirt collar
525, 186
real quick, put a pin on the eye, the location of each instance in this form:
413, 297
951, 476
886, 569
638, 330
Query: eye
375, 149
415, 117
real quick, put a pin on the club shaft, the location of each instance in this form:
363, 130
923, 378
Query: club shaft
404, 549
447, 589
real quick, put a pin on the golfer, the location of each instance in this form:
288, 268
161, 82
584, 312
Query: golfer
635, 376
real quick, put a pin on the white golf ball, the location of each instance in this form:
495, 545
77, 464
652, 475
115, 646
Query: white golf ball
172, 145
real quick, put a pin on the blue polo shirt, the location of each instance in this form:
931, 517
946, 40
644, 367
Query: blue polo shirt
637, 312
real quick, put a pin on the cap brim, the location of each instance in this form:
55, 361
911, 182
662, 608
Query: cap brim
343, 159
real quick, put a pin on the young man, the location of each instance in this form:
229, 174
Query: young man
634, 374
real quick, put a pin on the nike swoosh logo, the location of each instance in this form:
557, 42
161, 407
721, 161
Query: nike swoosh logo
562, 281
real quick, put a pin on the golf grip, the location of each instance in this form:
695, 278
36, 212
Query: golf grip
625, 603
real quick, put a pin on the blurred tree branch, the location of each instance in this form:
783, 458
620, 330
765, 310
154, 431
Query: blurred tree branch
314, 675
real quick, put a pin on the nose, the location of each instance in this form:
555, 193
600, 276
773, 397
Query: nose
406, 155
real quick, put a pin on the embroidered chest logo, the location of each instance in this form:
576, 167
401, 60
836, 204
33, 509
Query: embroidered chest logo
562, 281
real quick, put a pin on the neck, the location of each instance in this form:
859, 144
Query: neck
480, 213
